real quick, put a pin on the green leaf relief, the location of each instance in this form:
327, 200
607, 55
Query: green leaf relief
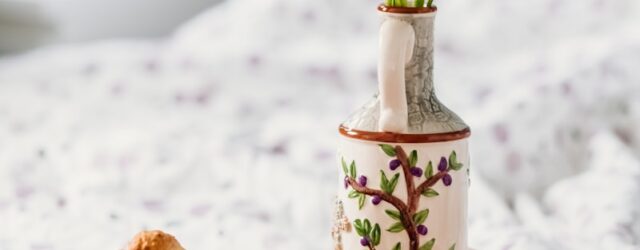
428, 172
357, 224
453, 161
353, 194
396, 227
352, 170
453, 247
397, 247
430, 193
384, 182
375, 235
361, 200
413, 158
428, 245
393, 183
419, 3
388, 149
421, 216
344, 167
367, 227
393, 214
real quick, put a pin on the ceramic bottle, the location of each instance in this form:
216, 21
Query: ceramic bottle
403, 157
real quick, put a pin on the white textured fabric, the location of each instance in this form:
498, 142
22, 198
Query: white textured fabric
224, 135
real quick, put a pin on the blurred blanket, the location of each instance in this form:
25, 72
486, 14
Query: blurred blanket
225, 133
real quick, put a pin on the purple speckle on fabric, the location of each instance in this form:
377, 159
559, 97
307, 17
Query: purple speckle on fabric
255, 61
513, 162
200, 210
23, 192
61, 202
501, 133
153, 205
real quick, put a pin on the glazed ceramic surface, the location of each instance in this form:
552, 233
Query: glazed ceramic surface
424, 113
445, 206
403, 156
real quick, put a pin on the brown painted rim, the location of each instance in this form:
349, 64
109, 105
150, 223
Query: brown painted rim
404, 138
406, 10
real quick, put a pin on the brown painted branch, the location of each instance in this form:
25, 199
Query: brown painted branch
371, 247
408, 179
430, 182
394, 201
406, 216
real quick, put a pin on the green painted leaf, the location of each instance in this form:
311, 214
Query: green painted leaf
421, 216
428, 245
397, 247
430, 193
396, 227
384, 182
344, 167
375, 235
367, 227
361, 200
453, 161
419, 3
352, 170
453, 247
413, 158
393, 183
388, 149
353, 194
357, 224
429, 171
393, 214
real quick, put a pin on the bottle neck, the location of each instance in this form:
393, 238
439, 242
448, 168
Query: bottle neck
419, 71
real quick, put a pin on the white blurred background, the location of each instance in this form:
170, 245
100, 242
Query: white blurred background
26, 24
217, 121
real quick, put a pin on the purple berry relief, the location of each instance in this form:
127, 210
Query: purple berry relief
442, 166
376, 200
417, 172
394, 164
362, 180
446, 179
364, 241
422, 229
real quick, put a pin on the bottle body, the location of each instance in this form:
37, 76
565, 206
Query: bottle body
440, 187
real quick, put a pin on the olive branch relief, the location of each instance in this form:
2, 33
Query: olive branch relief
406, 213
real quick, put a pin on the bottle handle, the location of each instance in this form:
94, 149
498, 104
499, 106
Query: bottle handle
397, 39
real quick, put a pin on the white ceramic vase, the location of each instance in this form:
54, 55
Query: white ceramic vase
404, 162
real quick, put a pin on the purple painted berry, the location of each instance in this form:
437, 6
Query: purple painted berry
364, 241
362, 180
346, 182
446, 179
394, 164
376, 200
422, 229
417, 172
442, 166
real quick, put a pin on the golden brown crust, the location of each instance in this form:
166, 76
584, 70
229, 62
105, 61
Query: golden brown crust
154, 240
